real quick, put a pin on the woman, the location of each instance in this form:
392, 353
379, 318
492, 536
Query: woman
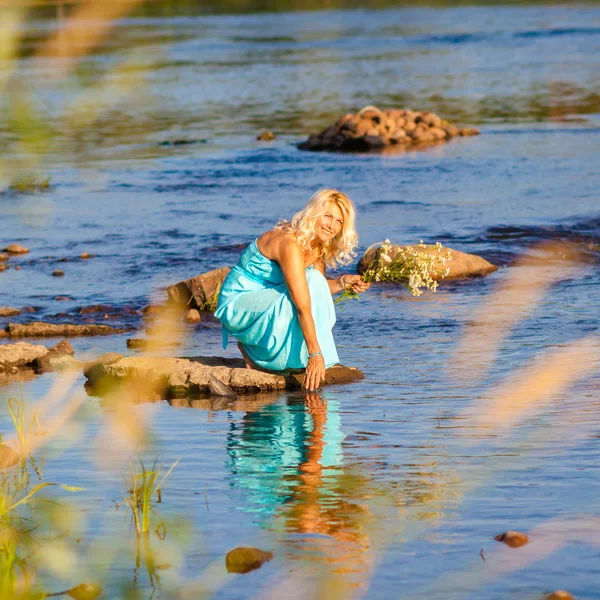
277, 302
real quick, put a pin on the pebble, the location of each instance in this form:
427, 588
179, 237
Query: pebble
514, 539
266, 136
244, 560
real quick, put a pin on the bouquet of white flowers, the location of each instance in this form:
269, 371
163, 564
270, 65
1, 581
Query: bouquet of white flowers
416, 267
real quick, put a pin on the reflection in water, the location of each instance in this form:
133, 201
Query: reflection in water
287, 458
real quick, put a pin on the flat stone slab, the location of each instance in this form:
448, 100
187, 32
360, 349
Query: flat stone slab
190, 377
40, 329
15, 357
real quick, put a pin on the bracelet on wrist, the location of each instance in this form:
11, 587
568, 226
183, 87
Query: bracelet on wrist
342, 284
314, 354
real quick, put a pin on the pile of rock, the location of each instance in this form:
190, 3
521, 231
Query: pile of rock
372, 129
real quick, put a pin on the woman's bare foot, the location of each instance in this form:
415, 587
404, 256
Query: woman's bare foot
249, 362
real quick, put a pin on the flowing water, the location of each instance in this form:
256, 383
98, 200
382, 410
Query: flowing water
399, 475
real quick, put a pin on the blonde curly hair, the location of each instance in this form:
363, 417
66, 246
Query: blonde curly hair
339, 250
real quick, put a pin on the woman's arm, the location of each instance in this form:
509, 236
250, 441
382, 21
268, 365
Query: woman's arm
291, 260
341, 283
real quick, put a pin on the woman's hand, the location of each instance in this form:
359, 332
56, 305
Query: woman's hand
315, 372
355, 282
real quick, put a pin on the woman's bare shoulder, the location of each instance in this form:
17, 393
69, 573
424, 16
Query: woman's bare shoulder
274, 243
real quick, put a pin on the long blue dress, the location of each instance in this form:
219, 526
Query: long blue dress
256, 308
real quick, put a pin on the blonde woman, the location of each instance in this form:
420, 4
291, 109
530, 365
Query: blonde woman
277, 302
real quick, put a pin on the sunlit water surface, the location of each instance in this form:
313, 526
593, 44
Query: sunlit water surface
410, 486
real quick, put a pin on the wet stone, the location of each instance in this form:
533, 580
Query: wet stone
3, 257
8, 311
514, 539
58, 273
559, 595
266, 136
460, 265
190, 377
244, 559
40, 329
192, 316
3, 266
374, 130
15, 249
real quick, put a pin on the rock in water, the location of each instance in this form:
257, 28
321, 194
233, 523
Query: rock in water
266, 136
192, 316
14, 356
372, 129
514, 539
559, 595
8, 311
15, 249
461, 264
40, 329
183, 377
244, 560
199, 292
218, 388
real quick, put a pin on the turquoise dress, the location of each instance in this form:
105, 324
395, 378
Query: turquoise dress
256, 308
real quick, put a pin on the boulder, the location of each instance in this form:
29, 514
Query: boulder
40, 329
8, 311
86, 256
20, 355
190, 377
199, 292
374, 130
59, 358
15, 249
3, 257
3, 266
93, 368
461, 264
62, 363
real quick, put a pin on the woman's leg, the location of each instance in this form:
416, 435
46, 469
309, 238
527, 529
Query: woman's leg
249, 363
